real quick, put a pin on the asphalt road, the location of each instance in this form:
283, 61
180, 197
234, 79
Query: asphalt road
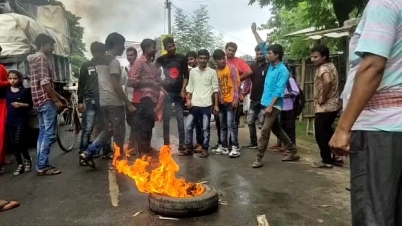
287, 193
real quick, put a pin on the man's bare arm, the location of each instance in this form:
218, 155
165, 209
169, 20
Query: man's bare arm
368, 78
326, 86
51, 92
119, 89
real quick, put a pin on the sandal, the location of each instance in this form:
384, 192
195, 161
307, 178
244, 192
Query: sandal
320, 165
20, 170
204, 154
8, 205
2, 170
48, 172
291, 158
187, 152
82, 162
88, 160
107, 156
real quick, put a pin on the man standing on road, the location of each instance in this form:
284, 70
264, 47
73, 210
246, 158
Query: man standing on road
132, 96
46, 101
112, 99
244, 72
228, 104
259, 69
88, 98
203, 86
175, 69
369, 129
326, 104
145, 78
272, 100
192, 63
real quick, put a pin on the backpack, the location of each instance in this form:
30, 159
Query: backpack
299, 101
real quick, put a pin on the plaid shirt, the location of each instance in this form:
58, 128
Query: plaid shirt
41, 73
144, 71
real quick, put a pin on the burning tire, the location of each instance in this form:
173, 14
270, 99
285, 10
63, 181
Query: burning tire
167, 206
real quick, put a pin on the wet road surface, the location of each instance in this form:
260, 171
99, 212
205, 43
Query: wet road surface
289, 194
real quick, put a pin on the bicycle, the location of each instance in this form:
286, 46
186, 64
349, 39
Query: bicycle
68, 122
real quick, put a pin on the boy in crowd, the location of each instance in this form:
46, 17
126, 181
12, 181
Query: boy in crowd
88, 98
228, 103
272, 100
203, 85
175, 69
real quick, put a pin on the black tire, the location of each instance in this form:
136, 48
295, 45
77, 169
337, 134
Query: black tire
167, 206
66, 124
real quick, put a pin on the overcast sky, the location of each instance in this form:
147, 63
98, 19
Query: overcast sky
139, 19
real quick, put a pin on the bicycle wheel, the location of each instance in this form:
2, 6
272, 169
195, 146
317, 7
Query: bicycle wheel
67, 132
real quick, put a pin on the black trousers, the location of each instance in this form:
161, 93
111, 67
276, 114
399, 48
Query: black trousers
323, 133
288, 123
376, 178
16, 137
144, 122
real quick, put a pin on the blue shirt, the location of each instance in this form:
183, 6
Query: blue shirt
275, 83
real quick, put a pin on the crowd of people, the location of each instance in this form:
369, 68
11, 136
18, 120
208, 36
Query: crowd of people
368, 129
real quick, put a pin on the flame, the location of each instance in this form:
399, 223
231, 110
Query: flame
162, 180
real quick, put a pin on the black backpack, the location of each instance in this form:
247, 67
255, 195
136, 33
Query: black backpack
299, 101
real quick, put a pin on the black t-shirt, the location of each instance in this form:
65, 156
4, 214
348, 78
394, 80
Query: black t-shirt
18, 116
88, 86
258, 80
175, 69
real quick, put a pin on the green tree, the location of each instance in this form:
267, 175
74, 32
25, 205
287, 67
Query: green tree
193, 33
340, 9
285, 21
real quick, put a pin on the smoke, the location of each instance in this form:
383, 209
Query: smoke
134, 19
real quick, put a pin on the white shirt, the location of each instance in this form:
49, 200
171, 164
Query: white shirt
202, 84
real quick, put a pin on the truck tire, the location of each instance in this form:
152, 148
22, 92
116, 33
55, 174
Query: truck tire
167, 206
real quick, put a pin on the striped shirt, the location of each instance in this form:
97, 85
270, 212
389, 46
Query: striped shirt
379, 32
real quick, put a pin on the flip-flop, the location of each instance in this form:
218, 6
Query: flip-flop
88, 160
8, 205
48, 172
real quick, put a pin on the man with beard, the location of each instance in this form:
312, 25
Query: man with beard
112, 99
145, 78
175, 69
259, 69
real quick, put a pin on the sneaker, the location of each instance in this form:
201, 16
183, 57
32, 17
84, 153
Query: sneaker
257, 163
220, 150
251, 146
28, 165
19, 170
235, 153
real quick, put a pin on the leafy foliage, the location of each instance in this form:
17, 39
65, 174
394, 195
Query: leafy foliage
193, 33
286, 21
317, 9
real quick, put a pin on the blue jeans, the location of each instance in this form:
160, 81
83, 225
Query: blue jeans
177, 100
91, 116
196, 114
227, 118
47, 115
113, 124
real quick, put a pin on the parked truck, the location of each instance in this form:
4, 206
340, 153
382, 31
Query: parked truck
20, 24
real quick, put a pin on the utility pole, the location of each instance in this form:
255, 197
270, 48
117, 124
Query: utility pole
168, 6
